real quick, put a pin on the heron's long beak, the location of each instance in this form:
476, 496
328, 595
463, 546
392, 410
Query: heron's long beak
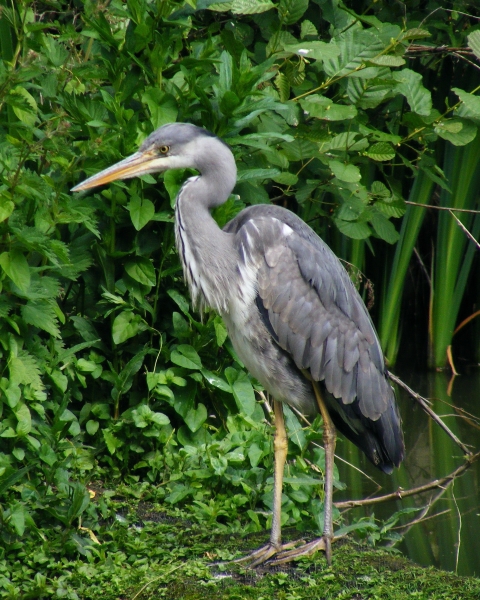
137, 164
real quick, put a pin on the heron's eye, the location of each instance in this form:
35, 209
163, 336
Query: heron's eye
164, 149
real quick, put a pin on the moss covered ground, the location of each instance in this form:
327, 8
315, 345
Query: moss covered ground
146, 551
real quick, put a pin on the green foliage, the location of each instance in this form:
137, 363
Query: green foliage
104, 368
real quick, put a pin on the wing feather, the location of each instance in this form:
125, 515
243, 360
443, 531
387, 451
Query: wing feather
319, 319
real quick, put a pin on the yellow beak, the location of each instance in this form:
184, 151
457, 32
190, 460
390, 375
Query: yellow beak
137, 164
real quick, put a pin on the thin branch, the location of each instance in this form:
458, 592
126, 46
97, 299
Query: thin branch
470, 62
424, 404
442, 483
424, 268
143, 588
421, 518
418, 48
466, 210
337, 457
459, 537
465, 230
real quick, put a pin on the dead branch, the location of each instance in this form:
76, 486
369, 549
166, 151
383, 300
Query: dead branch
424, 49
442, 483
424, 404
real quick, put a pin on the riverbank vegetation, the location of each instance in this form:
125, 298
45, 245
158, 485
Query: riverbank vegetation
356, 117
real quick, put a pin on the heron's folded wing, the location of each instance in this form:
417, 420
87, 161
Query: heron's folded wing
317, 315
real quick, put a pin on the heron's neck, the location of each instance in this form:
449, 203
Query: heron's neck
206, 252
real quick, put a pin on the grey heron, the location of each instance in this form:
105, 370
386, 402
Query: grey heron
293, 315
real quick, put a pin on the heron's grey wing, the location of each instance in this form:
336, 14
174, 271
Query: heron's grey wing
316, 314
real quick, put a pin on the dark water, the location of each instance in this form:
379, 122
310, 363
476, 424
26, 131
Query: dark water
449, 536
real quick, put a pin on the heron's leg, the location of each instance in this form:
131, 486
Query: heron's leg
329, 440
280, 446
325, 542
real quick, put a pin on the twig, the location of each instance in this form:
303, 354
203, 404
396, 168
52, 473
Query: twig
337, 457
459, 537
443, 483
404, 529
424, 268
414, 48
424, 404
466, 210
157, 579
467, 233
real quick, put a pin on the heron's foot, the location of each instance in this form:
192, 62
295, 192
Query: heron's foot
265, 553
324, 543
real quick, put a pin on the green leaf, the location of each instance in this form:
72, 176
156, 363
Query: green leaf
160, 419
382, 151
141, 211
312, 50
410, 85
112, 442
185, 356
179, 492
415, 34
283, 87
195, 418
229, 102
380, 189
355, 47
126, 325
16, 267
163, 107
348, 173
40, 313
474, 42
387, 60
59, 379
291, 11
242, 390
180, 301
6, 208
302, 480
142, 270
18, 453
353, 229
221, 333
13, 478
173, 181
308, 29
24, 105
24, 418
216, 381
471, 103
367, 94
294, 429
92, 426
351, 208
17, 518
251, 7
80, 499
48, 455
142, 416
384, 228
457, 131
13, 392
321, 107
258, 174
255, 453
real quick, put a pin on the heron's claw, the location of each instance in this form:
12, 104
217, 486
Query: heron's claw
272, 555
304, 550
265, 553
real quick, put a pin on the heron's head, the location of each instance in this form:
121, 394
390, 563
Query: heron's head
172, 146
